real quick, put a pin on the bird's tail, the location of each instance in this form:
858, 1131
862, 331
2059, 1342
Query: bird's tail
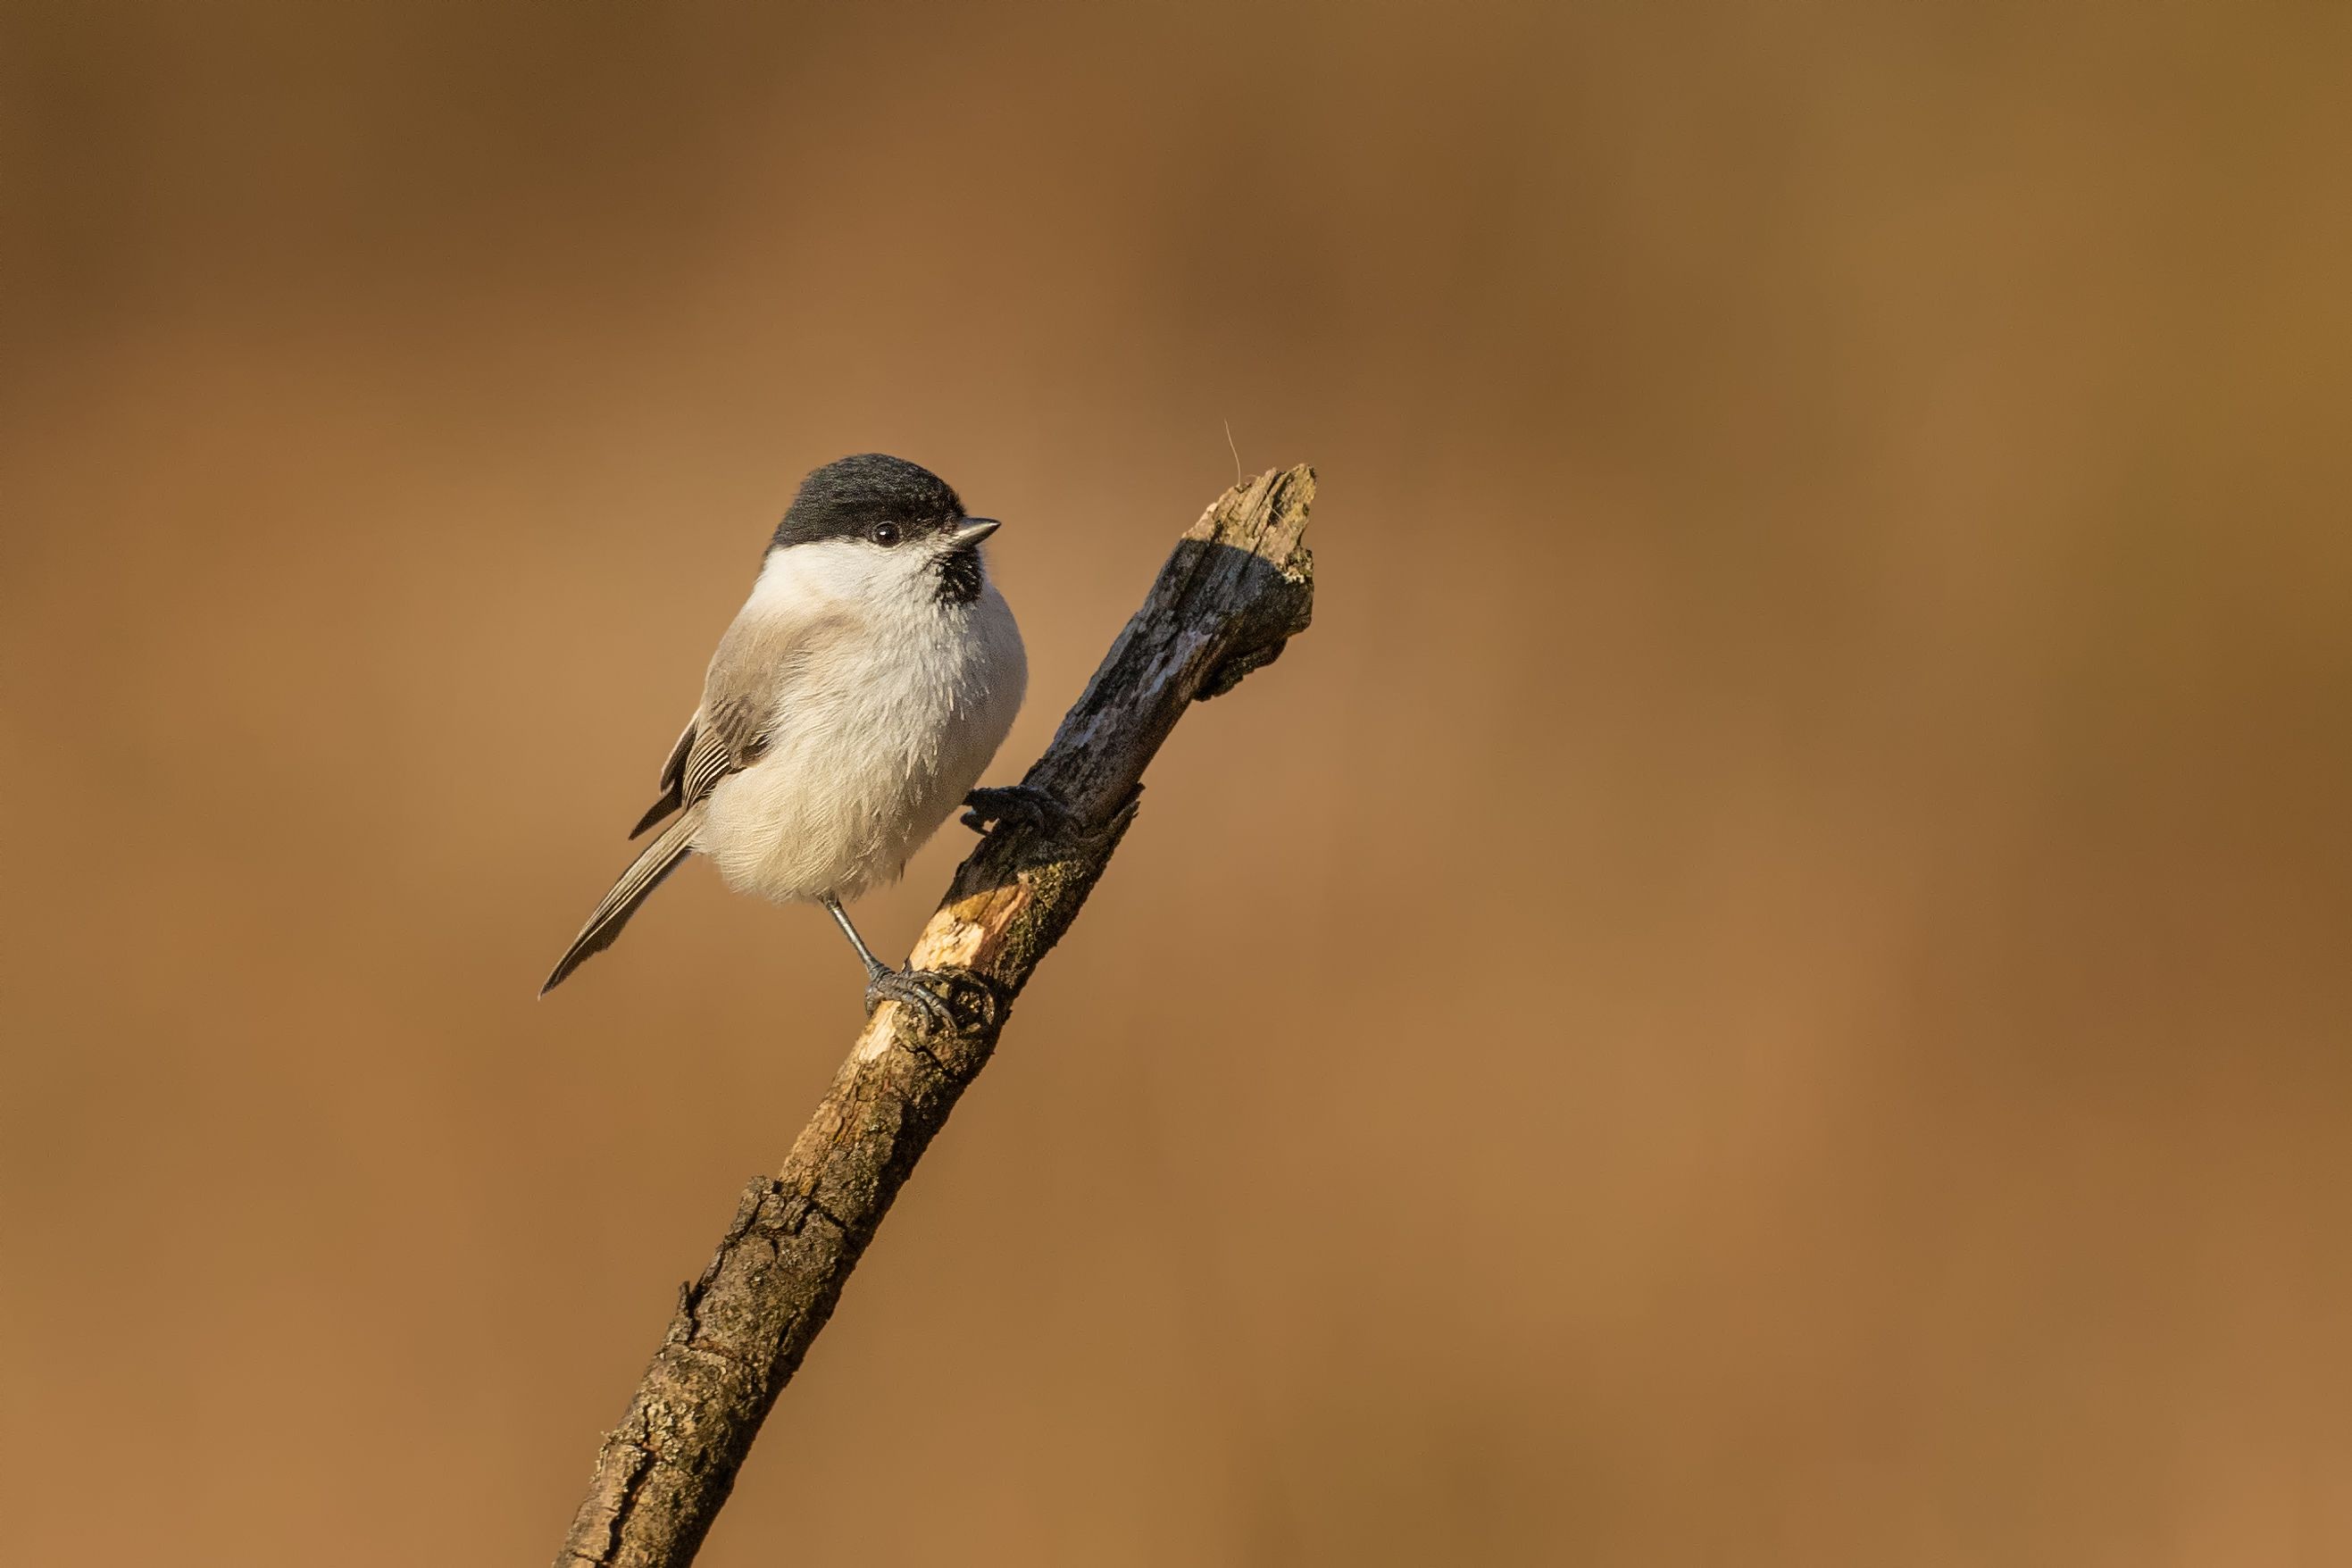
644, 874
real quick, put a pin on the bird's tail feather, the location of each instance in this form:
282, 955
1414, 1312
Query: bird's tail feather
645, 873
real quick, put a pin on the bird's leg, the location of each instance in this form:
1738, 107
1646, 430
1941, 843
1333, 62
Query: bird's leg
884, 984
874, 967
1031, 807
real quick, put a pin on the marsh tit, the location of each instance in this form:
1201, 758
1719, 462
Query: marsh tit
851, 706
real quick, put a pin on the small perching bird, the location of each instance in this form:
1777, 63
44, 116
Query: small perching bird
852, 705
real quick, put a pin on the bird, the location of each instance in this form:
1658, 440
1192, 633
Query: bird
852, 704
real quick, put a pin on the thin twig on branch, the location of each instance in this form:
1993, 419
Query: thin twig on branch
1238, 587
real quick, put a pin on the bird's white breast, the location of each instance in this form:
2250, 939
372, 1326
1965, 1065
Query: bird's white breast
879, 728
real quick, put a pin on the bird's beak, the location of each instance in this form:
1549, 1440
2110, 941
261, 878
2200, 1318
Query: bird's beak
973, 530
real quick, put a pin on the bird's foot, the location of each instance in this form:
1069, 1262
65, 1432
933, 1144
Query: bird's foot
909, 988
1020, 804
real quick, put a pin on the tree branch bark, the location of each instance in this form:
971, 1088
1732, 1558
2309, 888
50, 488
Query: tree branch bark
1239, 584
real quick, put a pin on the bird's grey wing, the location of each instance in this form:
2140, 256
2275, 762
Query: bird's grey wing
750, 681
750, 677
676, 763
722, 737
672, 770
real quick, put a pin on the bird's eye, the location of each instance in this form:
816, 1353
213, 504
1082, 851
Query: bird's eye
885, 533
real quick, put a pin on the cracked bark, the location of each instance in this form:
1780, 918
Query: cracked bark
1239, 584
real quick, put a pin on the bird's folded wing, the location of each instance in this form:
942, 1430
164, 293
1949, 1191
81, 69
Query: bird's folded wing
672, 771
758, 661
717, 742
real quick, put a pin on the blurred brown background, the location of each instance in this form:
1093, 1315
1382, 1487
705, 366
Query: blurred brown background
1767, 987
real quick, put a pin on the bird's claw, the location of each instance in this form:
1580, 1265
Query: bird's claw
906, 988
1019, 804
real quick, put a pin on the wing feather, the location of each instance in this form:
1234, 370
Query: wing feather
750, 677
729, 732
671, 796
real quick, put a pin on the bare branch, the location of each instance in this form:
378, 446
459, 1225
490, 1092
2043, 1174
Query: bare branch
1239, 584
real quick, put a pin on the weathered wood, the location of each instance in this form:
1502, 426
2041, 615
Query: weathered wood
1238, 585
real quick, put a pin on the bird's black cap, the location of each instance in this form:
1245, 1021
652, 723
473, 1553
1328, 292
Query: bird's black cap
848, 498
